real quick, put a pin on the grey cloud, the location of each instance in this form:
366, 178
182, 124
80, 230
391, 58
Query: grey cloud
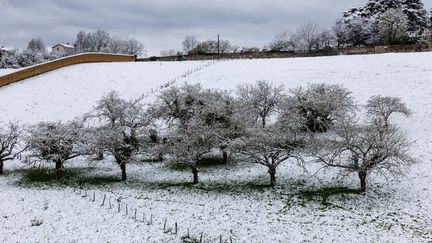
162, 24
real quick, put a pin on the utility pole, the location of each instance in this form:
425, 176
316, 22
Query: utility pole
218, 43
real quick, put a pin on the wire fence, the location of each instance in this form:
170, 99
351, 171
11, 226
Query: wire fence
148, 218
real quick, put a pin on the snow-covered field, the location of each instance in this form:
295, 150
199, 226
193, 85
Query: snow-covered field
227, 203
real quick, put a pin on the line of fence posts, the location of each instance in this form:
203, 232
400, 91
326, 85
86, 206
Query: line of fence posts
175, 230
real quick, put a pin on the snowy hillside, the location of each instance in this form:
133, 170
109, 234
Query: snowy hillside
225, 205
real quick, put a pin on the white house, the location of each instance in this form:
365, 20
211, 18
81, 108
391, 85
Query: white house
61, 49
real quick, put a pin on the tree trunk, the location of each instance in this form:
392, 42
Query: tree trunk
224, 157
123, 171
160, 157
272, 172
195, 175
263, 121
100, 156
59, 169
362, 176
1, 167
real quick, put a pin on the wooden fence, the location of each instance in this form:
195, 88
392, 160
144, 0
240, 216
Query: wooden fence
63, 62
292, 54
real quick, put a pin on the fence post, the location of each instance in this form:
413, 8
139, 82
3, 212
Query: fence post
103, 201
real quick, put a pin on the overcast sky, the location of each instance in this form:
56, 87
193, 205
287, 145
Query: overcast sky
163, 24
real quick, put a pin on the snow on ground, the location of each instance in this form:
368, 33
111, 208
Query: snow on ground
229, 202
4, 71
70, 91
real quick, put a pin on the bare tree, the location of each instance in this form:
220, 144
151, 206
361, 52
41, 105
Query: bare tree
309, 34
116, 45
101, 41
98, 41
364, 149
189, 43
10, 146
123, 129
168, 53
212, 47
54, 142
320, 106
270, 147
177, 105
82, 42
134, 47
222, 114
215, 111
393, 26
188, 144
380, 109
262, 98
36, 46
286, 41
327, 40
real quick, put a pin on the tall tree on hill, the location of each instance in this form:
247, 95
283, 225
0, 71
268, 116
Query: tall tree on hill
370, 14
309, 34
189, 43
81, 42
98, 40
417, 18
393, 27
36, 45
133, 47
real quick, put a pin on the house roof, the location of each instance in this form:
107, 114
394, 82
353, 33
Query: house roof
64, 45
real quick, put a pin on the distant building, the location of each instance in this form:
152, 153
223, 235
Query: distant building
61, 49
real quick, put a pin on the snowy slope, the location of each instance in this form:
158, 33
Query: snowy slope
393, 211
71, 91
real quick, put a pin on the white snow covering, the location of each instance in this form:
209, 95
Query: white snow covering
4, 71
64, 45
226, 203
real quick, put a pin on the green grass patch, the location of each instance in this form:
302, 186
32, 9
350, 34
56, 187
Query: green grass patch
179, 166
48, 176
228, 187
151, 160
211, 161
73, 177
208, 162
188, 239
97, 181
325, 193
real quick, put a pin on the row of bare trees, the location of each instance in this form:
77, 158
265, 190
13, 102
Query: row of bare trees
261, 123
102, 41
